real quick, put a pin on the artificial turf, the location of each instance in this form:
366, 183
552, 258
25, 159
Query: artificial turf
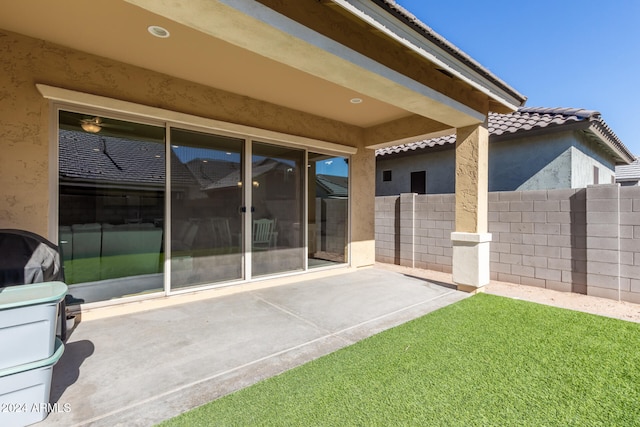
484, 361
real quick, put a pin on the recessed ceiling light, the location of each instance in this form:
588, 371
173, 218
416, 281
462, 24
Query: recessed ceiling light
356, 100
158, 31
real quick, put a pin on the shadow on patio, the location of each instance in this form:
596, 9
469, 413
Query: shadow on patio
142, 368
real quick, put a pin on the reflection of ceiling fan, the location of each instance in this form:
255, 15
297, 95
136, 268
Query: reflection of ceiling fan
95, 124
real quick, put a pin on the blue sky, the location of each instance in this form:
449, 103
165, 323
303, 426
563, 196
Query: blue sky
558, 53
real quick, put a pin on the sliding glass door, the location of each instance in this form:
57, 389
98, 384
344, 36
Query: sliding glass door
237, 209
206, 208
277, 179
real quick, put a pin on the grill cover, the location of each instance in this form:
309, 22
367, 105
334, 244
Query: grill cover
26, 257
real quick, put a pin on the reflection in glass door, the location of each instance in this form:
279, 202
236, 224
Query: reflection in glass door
277, 196
206, 201
328, 209
111, 206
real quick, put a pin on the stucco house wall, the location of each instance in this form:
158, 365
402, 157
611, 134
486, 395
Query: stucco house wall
541, 162
586, 156
439, 166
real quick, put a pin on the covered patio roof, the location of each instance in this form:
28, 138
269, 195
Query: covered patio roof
310, 56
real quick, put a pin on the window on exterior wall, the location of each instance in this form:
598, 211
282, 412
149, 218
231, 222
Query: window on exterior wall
613, 179
596, 175
386, 176
419, 182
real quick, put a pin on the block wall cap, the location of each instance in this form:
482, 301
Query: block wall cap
458, 236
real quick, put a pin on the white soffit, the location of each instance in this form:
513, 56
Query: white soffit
257, 28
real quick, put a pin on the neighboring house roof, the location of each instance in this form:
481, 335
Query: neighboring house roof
85, 156
627, 173
209, 172
259, 168
334, 186
529, 120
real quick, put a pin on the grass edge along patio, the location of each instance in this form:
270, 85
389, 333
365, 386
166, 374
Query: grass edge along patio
486, 360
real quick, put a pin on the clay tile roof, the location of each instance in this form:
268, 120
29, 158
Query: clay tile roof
527, 119
628, 172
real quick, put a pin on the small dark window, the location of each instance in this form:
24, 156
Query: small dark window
596, 175
386, 175
419, 182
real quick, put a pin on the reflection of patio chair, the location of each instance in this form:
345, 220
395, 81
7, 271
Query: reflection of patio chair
263, 233
221, 233
184, 234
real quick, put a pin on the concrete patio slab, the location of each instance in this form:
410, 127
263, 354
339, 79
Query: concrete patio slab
141, 368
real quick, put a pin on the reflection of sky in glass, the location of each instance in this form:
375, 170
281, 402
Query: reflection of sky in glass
334, 166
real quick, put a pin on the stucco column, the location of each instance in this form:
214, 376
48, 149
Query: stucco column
470, 239
363, 204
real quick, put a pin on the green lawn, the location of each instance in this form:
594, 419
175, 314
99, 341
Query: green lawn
485, 361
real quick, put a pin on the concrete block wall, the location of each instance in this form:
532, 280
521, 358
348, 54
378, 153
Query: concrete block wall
387, 225
573, 240
434, 219
415, 230
630, 243
613, 242
538, 238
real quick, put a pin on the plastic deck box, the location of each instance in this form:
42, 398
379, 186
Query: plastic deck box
28, 315
25, 390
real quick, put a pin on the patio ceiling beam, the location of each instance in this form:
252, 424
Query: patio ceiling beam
257, 28
404, 131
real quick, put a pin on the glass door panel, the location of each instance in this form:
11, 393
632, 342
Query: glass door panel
111, 206
206, 201
328, 209
277, 195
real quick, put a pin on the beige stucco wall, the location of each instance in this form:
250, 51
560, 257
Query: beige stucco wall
25, 130
472, 178
363, 206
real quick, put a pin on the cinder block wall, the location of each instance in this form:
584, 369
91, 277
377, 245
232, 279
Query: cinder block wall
630, 243
388, 229
539, 238
573, 240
